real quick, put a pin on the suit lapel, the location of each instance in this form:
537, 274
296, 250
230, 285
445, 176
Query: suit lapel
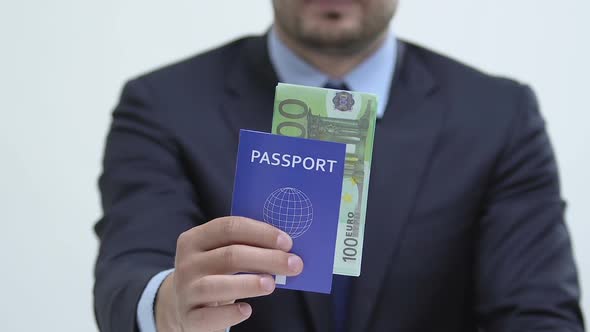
404, 141
250, 86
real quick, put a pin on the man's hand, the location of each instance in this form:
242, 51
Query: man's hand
199, 295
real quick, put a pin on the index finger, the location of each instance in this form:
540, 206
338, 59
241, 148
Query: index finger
226, 231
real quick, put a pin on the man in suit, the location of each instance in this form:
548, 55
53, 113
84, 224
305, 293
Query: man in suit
465, 227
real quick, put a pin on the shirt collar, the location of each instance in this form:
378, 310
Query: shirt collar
373, 75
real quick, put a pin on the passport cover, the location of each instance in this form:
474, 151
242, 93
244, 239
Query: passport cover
294, 184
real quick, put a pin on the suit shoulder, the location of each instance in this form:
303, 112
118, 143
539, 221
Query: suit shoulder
474, 96
480, 106
200, 70
456, 76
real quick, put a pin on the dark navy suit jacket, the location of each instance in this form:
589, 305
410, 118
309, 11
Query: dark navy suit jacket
465, 223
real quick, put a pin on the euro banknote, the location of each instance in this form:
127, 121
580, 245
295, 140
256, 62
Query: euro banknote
344, 117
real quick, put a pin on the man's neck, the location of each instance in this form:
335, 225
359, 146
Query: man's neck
335, 66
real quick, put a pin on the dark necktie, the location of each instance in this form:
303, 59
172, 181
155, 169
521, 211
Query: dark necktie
340, 284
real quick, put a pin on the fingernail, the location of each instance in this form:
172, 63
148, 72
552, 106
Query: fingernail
284, 242
245, 309
295, 263
267, 284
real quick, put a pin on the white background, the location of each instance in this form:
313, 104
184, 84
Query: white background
62, 64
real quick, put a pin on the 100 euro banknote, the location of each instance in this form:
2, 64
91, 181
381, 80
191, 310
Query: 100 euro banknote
338, 116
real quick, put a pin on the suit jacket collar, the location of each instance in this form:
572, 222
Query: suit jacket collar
251, 68
404, 141
405, 138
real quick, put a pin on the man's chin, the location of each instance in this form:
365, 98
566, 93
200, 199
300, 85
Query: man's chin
330, 43
332, 33
338, 25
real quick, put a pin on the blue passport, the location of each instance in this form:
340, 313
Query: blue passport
294, 184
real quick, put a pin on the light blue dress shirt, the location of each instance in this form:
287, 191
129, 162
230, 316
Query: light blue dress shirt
373, 75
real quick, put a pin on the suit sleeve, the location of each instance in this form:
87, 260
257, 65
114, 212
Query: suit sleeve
526, 278
147, 201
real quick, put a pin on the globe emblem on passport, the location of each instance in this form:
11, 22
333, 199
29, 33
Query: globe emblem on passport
290, 210
343, 101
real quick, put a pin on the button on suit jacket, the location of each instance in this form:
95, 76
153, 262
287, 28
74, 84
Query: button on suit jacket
465, 223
